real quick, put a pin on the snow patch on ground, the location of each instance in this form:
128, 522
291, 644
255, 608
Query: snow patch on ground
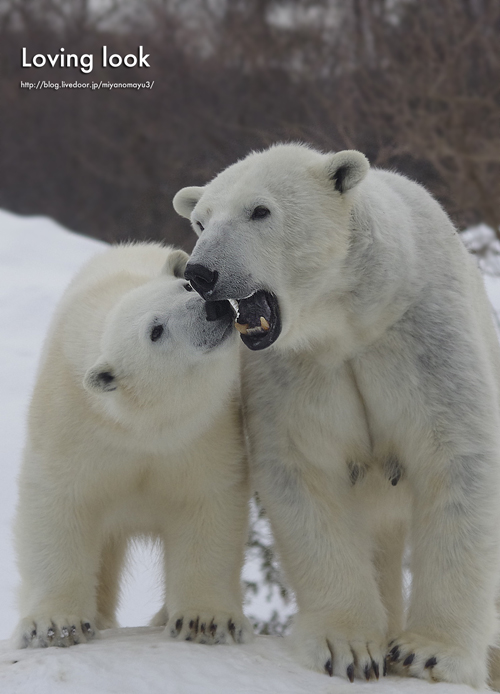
141, 661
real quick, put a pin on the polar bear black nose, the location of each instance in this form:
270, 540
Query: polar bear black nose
202, 279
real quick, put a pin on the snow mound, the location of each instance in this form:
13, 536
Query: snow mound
142, 661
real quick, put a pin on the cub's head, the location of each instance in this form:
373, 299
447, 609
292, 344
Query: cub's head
158, 345
274, 230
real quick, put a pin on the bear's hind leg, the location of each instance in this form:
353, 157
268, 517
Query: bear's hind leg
108, 582
204, 552
388, 560
451, 620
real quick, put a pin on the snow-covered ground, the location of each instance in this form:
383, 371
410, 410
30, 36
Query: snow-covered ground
37, 260
140, 661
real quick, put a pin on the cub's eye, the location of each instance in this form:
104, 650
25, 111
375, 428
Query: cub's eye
200, 226
188, 287
156, 333
260, 212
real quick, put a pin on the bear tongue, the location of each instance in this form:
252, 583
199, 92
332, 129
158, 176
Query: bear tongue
254, 313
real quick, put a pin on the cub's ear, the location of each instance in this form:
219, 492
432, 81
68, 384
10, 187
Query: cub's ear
347, 168
185, 200
100, 378
176, 263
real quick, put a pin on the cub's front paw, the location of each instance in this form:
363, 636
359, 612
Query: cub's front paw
418, 656
202, 626
42, 631
347, 653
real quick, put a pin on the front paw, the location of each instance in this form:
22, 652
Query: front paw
351, 652
41, 631
203, 626
418, 656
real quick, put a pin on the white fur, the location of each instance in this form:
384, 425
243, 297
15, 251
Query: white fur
157, 451
387, 360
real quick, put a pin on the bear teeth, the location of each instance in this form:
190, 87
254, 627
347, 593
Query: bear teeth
235, 306
254, 331
258, 329
241, 327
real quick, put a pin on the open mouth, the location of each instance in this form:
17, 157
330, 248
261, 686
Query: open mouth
257, 318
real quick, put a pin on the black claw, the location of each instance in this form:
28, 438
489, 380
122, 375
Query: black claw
431, 662
89, 630
50, 633
203, 628
73, 630
87, 627
212, 628
375, 669
350, 672
394, 654
384, 673
178, 626
329, 667
367, 672
409, 660
188, 638
232, 627
33, 634
193, 624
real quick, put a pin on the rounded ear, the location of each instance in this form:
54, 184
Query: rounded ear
100, 378
347, 168
176, 263
185, 200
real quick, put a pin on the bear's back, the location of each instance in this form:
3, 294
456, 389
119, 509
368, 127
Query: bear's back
139, 259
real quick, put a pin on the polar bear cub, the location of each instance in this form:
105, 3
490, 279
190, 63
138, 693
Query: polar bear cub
371, 388
134, 429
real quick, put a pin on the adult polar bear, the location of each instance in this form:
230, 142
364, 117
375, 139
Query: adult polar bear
379, 392
134, 429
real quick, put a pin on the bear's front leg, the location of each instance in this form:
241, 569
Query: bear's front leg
452, 616
58, 558
326, 551
204, 552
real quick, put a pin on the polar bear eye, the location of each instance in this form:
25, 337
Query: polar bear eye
200, 226
156, 333
260, 212
188, 287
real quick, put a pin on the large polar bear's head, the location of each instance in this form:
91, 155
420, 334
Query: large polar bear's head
274, 231
157, 345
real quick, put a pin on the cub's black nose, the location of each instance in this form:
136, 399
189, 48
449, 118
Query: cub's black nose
202, 279
218, 309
